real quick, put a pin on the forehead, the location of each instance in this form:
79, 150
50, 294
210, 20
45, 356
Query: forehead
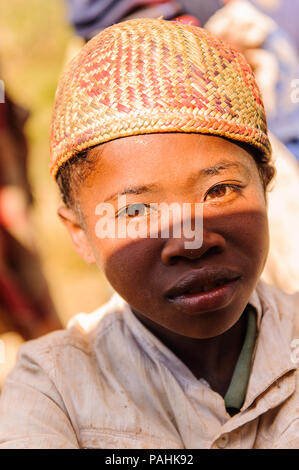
160, 156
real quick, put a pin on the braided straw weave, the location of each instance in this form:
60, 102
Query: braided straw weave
151, 75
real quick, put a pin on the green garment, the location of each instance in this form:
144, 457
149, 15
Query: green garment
235, 395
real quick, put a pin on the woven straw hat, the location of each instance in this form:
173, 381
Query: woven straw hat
151, 75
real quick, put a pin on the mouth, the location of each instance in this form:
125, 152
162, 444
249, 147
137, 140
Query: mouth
204, 290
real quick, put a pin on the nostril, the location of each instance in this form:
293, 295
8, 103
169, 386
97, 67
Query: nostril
175, 249
214, 250
174, 259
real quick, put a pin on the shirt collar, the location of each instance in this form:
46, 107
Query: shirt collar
236, 391
254, 300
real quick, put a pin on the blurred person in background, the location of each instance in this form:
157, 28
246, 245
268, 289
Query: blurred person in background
273, 57
90, 17
26, 308
284, 13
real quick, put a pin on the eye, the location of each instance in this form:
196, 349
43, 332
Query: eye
223, 190
134, 210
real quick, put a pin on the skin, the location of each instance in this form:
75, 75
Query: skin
235, 235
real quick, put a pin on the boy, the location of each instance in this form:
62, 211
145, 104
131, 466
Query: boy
193, 350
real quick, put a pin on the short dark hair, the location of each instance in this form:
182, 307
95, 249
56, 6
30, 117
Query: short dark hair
74, 172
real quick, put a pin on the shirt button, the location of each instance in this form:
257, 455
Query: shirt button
222, 442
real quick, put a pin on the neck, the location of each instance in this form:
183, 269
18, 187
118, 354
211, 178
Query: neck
213, 359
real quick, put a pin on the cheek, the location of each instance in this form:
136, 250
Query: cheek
127, 263
247, 227
248, 233
124, 261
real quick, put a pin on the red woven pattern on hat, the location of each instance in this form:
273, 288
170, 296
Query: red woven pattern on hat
151, 75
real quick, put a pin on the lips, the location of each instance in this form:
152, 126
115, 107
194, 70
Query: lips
204, 290
202, 280
197, 289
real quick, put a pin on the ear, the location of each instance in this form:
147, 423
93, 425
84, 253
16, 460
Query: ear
78, 235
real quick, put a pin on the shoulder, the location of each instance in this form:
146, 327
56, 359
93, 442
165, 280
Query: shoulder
77, 339
285, 305
285, 302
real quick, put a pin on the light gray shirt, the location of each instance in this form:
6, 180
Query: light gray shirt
108, 382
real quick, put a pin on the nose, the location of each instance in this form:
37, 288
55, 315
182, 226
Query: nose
175, 248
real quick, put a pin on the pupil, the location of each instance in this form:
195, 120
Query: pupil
135, 209
219, 190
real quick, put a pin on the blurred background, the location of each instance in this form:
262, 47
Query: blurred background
43, 283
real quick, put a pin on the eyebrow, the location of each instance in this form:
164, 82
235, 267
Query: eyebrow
217, 169
141, 189
203, 173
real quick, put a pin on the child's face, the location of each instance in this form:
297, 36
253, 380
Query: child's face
166, 168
